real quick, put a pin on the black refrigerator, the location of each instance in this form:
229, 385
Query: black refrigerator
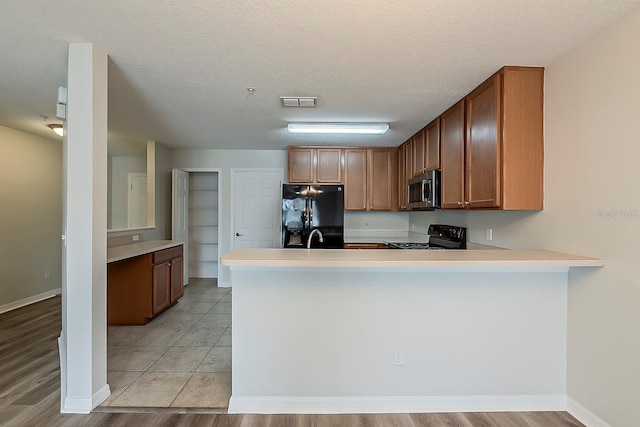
309, 207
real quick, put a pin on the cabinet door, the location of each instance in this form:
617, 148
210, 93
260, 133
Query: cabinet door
177, 287
329, 167
452, 156
301, 165
355, 179
402, 179
381, 176
432, 142
161, 292
482, 145
419, 151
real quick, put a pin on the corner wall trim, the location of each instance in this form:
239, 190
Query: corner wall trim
584, 415
101, 395
395, 404
30, 300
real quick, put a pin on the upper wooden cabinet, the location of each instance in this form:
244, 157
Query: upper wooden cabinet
381, 174
432, 143
314, 165
370, 179
403, 199
501, 144
419, 153
452, 157
355, 179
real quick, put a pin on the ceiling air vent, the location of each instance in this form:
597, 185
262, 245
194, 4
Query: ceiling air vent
298, 101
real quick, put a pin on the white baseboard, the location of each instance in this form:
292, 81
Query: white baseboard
584, 415
394, 404
101, 395
30, 300
224, 284
76, 405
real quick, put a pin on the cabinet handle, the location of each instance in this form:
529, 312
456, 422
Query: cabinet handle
459, 203
466, 203
239, 235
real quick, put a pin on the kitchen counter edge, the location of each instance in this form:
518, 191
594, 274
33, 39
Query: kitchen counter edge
393, 258
118, 253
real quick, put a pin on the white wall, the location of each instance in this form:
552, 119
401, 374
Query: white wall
364, 223
592, 207
225, 160
30, 217
162, 174
119, 168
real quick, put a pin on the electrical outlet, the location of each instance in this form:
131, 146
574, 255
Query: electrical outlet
47, 274
136, 237
398, 357
366, 224
488, 234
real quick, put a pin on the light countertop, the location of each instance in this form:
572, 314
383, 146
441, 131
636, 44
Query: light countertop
118, 253
395, 258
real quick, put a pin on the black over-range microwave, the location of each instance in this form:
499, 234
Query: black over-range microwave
424, 191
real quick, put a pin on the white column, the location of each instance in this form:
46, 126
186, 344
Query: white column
83, 342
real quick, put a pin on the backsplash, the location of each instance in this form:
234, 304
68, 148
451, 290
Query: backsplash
124, 239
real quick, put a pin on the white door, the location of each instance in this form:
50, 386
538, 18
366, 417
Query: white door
137, 200
180, 215
257, 208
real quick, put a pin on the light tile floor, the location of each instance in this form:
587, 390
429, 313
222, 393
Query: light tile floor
182, 358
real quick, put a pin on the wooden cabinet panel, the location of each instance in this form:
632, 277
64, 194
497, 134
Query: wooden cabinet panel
482, 145
301, 165
523, 138
139, 288
313, 165
329, 165
419, 153
355, 179
432, 142
161, 287
402, 178
177, 287
129, 291
368, 245
452, 156
381, 173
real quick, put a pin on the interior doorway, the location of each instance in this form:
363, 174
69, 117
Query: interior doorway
256, 208
195, 220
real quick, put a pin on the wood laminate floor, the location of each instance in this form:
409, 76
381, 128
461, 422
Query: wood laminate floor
30, 392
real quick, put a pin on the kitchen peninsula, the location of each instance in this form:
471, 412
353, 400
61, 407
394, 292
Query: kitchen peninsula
348, 331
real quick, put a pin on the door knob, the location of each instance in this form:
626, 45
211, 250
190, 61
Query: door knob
238, 234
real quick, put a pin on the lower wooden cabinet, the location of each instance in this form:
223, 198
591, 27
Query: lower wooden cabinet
367, 245
141, 287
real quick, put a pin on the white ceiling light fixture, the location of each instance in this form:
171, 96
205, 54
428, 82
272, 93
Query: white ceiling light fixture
299, 101
337, 128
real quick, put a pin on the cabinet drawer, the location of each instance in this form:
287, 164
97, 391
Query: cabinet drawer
167, 254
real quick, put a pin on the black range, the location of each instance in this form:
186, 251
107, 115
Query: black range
440, 237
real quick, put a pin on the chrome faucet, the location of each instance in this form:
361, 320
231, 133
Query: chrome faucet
314, 231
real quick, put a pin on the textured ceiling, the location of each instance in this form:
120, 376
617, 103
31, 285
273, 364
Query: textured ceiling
179, 70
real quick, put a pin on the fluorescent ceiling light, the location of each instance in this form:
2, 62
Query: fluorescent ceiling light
366, 128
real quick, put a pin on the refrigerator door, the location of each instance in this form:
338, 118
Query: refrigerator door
295, 218
326, 213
